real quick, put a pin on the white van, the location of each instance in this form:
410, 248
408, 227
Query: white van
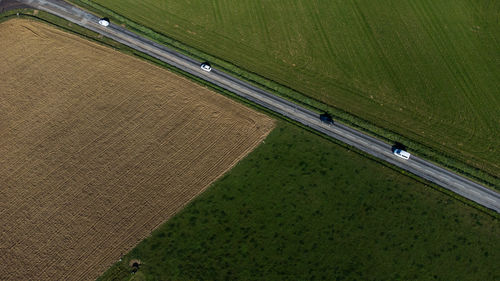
401, 153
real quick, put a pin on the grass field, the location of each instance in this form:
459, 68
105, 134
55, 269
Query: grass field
394, 228
302, 208
427, 70
99, 148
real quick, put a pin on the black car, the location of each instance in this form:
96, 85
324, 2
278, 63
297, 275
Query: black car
326, 118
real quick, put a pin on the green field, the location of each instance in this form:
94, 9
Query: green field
428, 70
302, 208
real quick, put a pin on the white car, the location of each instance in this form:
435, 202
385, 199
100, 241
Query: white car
401, 153
104, 22
206, 67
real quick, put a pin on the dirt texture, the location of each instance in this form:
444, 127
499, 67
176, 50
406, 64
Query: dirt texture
99, 148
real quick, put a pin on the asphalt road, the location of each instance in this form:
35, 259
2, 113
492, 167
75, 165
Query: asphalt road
370, 145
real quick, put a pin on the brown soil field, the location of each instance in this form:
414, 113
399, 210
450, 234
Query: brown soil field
98, 148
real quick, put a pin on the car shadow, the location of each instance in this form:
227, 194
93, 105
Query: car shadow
398, 145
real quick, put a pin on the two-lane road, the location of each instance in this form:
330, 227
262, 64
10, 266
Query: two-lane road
377, 148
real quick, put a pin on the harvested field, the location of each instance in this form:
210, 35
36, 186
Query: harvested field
99, 148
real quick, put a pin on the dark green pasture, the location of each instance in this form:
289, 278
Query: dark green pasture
302, 208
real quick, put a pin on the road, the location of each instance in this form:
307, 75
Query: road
368, 144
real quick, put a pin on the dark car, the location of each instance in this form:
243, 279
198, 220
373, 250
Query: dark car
326, 118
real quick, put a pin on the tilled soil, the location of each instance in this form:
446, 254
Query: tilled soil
98, 148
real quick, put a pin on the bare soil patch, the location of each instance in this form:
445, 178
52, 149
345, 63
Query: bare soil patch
98, 148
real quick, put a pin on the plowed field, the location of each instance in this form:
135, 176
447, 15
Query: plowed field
98, 148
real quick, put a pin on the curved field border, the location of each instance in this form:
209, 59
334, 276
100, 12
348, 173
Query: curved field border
448, 159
